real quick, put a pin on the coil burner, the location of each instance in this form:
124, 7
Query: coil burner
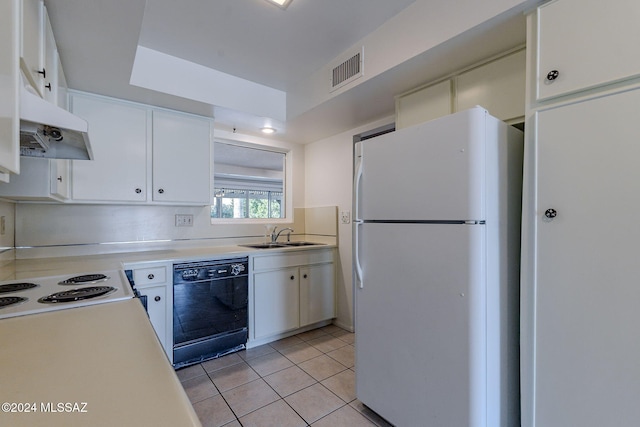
16, 287
77, 294
85, 279
11, 301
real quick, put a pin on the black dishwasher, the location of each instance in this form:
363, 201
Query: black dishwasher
210, 300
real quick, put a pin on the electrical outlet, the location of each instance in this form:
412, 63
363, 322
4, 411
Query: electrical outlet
184, 220
345, 217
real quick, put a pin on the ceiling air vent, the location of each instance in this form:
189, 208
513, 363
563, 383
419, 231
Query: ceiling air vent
347, 71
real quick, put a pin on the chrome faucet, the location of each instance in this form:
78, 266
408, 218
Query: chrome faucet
274, 235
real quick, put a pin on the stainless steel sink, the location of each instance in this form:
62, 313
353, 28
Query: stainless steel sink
279, 245
303, 244
265, 245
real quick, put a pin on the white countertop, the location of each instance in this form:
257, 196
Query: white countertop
52, 266
104, 359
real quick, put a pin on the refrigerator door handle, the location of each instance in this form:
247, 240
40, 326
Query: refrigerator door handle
357, 221
356, 184
356, 253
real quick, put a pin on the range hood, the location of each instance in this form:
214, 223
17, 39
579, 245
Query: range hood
49, 131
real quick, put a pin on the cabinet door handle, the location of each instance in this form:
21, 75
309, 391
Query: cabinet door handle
156, 299
161, 190
552, 75
43, 72
48, 87
151, 277
60, 178
550, 213
292, 277
304, 276
138, 190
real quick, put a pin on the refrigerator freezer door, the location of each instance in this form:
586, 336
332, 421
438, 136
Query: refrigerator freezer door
432, 171
420, 321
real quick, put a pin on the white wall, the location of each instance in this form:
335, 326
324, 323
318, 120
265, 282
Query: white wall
329, 175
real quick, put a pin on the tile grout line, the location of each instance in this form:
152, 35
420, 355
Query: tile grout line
279, 350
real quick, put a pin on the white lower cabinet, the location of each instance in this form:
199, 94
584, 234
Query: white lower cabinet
154, 281
291, 290
276, 308
317, 293
158, 311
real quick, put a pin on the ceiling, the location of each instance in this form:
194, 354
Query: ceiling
255, 42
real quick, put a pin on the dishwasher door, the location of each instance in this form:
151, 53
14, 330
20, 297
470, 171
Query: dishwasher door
210, 309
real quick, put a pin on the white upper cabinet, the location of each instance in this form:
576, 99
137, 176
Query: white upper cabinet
142, 154
498, 86
50, 64
32, 42
39, 179
118, 134
9, 112
423, 104
580, 45
181, 158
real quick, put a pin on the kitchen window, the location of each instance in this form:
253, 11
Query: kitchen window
249, 182
244, 203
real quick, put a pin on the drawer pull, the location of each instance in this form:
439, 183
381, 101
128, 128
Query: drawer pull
151, 277
552, 75
156, 299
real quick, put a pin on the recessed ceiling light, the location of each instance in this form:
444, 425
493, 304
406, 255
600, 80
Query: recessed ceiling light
280, 3
268, 130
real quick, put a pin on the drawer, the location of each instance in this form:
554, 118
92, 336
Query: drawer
152, 275
292, 259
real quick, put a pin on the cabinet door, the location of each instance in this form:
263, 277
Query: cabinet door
118, 135
50, 63
9, 111
423, 105
317, 293
157, 311
586, 276
60, 178
498, 86
588, 43
31, 47
276, 302
181, 158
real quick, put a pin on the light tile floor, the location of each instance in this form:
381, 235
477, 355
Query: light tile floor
304, 380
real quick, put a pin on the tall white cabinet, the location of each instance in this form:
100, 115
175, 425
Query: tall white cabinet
580, 348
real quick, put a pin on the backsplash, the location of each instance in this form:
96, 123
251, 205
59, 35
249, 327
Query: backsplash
44, 230
7, 214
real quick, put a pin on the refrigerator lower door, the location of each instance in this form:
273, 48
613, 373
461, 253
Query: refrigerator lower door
421, 324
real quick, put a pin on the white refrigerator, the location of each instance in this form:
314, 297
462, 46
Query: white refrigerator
436, 260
